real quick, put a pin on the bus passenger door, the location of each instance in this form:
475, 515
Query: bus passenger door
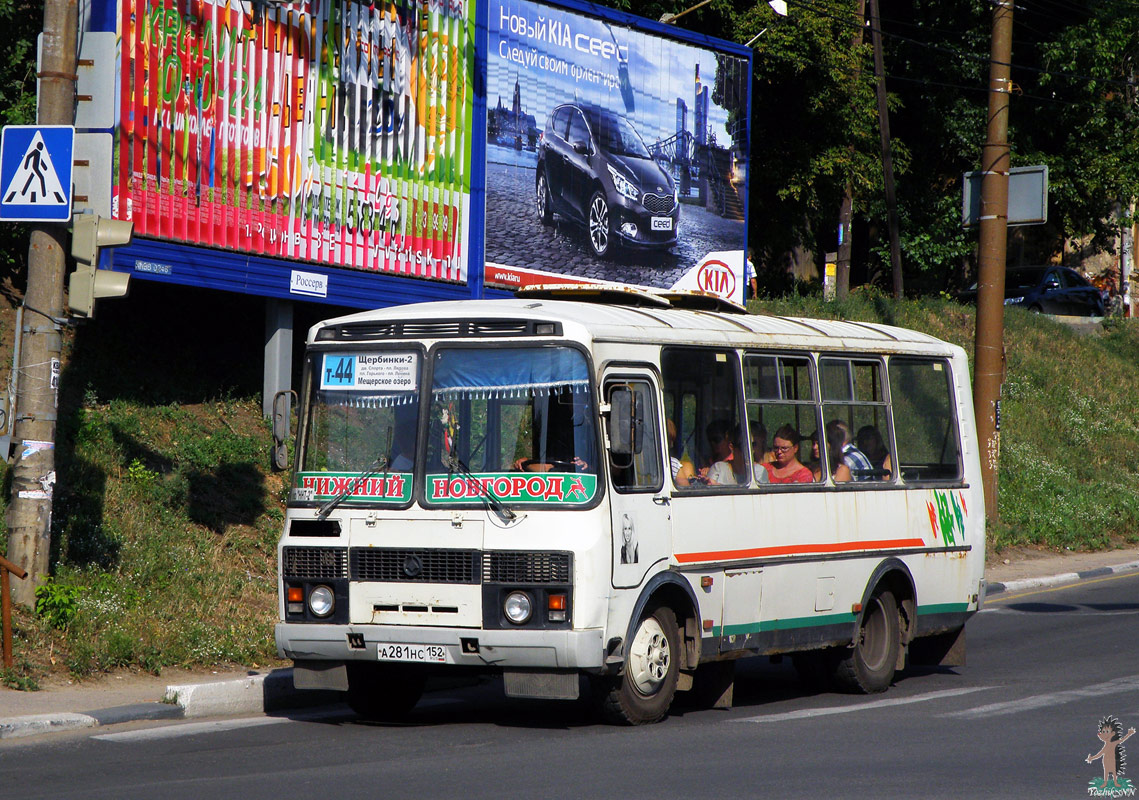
639, 502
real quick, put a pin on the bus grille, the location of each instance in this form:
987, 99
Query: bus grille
410, 565
314, 563
511, 567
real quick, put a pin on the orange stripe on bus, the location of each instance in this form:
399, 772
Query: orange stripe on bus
797, 549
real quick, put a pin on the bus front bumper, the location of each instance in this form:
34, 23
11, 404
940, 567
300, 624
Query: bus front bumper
580, 649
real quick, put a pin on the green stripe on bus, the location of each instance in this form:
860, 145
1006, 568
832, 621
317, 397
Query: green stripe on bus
827, 619
942, 608
783, 624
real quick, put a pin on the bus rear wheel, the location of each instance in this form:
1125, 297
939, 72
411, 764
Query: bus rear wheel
643, 693
384, 691
868, 666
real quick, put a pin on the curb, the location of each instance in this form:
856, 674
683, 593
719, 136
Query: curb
257, 694
1058, 580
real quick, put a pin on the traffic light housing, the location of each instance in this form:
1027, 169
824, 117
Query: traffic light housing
88, 283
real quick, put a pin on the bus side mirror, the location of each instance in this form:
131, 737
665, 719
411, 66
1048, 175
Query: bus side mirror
282, 425
626, 423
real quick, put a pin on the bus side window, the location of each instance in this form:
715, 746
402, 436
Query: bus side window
710, 439
780, 395
857, 431
641, 469
922, 397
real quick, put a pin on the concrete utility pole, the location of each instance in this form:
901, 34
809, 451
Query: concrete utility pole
887, 158
988, 358
33, 475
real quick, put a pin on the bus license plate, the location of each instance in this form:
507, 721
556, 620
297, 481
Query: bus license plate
423, 653
662, 223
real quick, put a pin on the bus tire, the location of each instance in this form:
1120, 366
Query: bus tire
384, 691
643, 692
868, 665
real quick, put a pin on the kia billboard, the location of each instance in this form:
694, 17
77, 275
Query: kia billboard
613, 153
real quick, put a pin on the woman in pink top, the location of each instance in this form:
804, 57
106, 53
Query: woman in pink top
787, 468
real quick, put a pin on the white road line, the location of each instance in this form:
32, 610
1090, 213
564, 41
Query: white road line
808, 713
1117, 686
189, 729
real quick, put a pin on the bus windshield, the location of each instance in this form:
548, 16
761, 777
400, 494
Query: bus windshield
363, 418
519, 421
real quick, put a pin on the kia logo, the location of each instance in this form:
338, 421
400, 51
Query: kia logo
412, 566
717, 278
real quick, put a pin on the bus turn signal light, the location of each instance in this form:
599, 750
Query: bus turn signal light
556, 604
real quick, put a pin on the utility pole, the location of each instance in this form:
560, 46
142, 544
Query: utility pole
33, 474
988, 358
887, 158
846, 208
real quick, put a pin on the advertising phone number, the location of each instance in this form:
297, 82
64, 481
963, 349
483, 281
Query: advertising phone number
423, 653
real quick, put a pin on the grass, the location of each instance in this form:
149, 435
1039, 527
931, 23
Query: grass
167, 515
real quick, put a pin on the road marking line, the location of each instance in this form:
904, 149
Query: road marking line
808, 713
1117, 686
190, 729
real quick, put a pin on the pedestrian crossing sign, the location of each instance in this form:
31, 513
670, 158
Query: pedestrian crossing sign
35, 173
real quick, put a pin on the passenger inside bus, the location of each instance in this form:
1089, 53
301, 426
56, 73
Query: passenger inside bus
836, 440
682, 472
554, 448
856, 464
872, 445
728, 467
759, 452
815, 465
787, 468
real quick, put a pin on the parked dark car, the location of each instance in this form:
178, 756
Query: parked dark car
1049, 290
594, 168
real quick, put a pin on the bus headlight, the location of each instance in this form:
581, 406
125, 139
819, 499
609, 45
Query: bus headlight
321, 601
518, 607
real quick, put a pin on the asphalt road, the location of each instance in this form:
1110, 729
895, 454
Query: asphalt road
1018, 721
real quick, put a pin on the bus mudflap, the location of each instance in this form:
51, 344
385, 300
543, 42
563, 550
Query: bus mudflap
541, 684
331, 675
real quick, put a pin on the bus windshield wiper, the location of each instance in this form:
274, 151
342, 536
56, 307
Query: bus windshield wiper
379, 465
455, 464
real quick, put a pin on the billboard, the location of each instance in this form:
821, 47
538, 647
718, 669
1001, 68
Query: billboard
334, 132
613, 153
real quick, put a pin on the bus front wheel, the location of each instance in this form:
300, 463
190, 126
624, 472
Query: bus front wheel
868, 665
384, 691
643, 693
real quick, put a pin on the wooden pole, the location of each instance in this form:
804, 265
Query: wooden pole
988, 358
33, 476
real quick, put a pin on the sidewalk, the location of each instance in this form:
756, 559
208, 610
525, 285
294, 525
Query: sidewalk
178, 694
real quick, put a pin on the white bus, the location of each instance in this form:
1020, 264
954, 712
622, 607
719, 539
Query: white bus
628, 488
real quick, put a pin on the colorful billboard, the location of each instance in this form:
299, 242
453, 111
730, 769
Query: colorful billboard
329, 132
613, 154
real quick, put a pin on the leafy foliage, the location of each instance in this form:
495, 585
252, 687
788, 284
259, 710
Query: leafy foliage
20, 20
